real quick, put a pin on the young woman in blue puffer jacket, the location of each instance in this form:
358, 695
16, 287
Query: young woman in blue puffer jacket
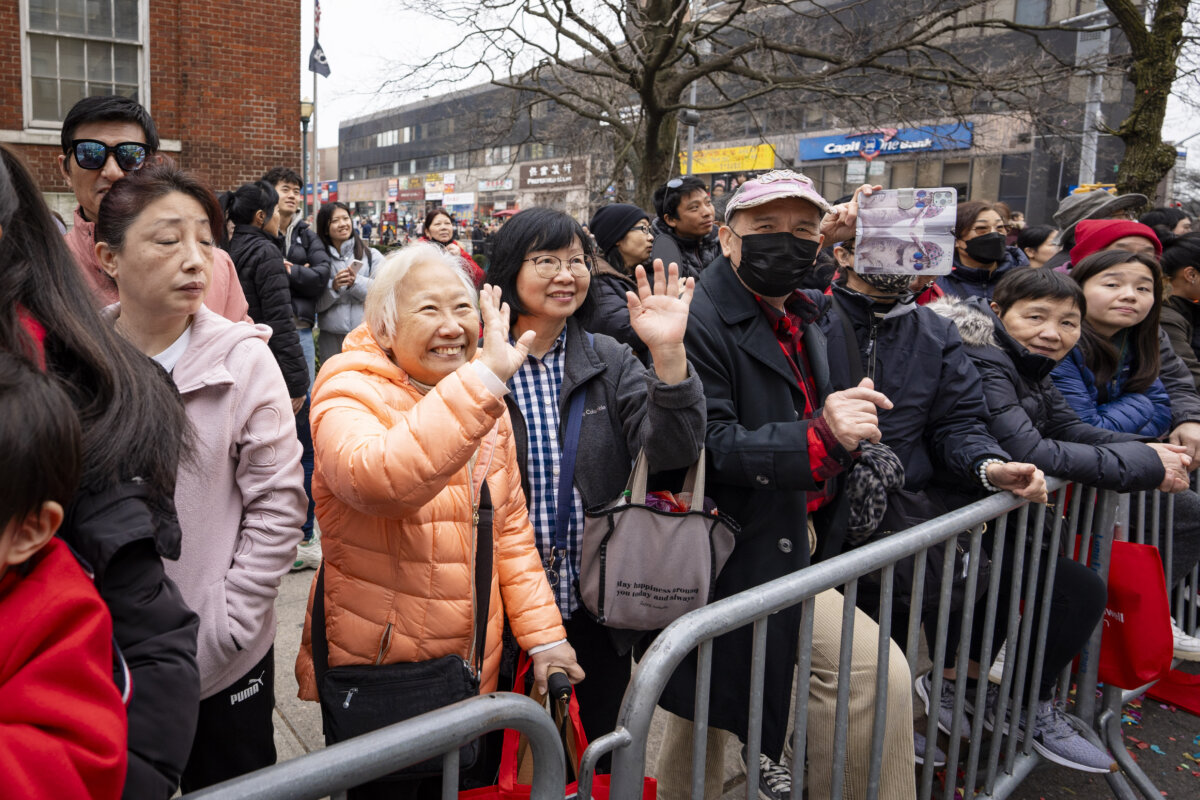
1111, 377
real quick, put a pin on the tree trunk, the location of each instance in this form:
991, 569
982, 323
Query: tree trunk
1155, 53
658, 158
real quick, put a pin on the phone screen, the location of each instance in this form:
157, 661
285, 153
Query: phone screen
906, 231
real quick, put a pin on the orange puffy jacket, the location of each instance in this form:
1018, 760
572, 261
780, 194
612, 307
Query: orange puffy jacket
394, 489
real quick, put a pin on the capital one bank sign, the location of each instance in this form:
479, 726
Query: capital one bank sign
869, 144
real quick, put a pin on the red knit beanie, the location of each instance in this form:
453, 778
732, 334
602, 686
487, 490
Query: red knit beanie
1093, 235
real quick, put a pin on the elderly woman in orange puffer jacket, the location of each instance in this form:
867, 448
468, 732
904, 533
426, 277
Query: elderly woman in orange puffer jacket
407, 423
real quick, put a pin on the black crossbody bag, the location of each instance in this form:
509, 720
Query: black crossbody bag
361, 698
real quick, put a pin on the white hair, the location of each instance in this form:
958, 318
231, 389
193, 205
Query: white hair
381, 307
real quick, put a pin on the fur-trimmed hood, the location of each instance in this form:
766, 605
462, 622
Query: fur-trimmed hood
975, 320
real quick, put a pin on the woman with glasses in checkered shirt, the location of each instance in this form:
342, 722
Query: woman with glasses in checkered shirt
543, 264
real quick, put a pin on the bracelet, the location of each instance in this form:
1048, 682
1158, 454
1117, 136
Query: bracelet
983, 479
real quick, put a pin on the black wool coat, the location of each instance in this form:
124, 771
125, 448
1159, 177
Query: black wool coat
264, 280
758, 473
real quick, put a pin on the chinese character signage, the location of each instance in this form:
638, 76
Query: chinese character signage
434, 187
730, 159
552, 173
888, 141
393, 188
496, 185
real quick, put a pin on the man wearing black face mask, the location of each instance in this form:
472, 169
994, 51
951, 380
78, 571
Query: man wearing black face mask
778, 438
981, 253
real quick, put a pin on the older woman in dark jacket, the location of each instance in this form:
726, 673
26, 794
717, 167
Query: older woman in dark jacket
1038, 324
541, 262
1039, 321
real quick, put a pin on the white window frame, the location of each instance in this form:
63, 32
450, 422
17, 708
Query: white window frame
27, 72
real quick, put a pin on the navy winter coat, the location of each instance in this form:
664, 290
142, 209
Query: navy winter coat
916, 358
1032, 420
1145, 413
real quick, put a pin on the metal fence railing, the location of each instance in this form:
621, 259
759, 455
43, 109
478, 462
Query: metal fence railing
993, 767
334, 769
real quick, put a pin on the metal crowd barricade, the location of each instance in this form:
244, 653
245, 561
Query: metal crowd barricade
994, 766
334, 769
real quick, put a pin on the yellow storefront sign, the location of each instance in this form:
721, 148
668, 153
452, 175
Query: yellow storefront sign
730, 159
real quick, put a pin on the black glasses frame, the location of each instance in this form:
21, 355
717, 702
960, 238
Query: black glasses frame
129, 156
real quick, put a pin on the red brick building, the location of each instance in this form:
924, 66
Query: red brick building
220, 78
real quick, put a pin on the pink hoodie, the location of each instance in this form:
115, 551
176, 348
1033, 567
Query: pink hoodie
225, 295
240, 497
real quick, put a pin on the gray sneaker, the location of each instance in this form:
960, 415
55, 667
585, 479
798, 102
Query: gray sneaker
946, 704
920, 745
1057, 737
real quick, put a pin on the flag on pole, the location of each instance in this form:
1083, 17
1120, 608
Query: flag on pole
317, 62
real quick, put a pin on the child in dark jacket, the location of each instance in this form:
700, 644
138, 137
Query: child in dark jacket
62, 719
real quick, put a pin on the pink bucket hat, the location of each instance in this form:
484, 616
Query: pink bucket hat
774, 185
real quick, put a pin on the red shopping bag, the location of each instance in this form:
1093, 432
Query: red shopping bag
516, 760
1137, 644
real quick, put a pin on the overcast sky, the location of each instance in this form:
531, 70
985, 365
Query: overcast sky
362, 37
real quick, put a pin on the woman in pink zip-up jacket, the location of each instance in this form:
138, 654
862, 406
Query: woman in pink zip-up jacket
240, 497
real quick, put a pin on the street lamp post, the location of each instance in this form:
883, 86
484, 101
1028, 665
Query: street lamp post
306, 112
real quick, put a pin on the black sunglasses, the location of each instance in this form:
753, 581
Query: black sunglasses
91, 154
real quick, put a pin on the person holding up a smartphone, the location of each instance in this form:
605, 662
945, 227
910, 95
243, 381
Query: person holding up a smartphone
340, 308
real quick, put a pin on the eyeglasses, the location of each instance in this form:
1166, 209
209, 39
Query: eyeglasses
549, 266
642, 229
91, 154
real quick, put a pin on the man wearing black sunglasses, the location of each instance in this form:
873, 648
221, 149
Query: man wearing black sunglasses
103, 139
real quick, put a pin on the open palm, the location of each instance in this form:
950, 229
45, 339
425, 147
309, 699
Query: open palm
659, 316
501, 357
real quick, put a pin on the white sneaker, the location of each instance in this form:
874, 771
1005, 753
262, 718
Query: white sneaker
996, 673
1187, 648
308, 555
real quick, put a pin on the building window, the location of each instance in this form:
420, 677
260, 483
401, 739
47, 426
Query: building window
78, 48
1030, 12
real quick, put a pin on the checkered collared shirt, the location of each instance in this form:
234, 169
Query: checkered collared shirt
536, 387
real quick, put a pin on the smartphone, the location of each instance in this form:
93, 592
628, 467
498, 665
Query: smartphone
906, 231
355, 266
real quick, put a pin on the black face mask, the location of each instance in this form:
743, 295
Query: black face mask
774, 264
987, 249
